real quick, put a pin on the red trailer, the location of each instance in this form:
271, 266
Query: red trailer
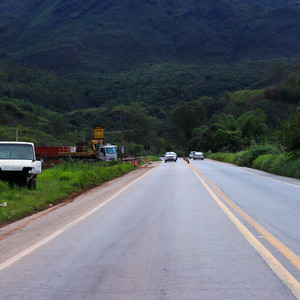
57, 152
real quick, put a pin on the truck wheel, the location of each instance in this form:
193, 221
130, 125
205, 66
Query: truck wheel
32, 184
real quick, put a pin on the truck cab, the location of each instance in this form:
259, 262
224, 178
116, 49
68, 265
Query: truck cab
18, 163
107, 152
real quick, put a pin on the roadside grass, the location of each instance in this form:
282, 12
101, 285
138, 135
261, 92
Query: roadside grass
284, 164
152, 158
55, 184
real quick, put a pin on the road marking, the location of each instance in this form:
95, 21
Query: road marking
273, 263
27, 251
290, 255
272, 179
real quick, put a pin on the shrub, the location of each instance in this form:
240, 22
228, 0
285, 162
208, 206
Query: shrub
290, 132
243, 158
226, 157
282, 164
290, 94
232, 140
264, 162
261, 149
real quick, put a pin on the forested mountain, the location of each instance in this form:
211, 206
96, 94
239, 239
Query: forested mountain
67, 65
113, 35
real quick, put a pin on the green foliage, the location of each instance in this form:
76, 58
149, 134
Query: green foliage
286, 93
88, 62
232, 134
140, 127
285, 164
199, 131
242, 158
225, 157
239, 98
88, 36
225, 121
252, 124
228, 140
207, 142
193, 143
133, 149
261, 149
290, 132
290, 93
278, 70
53, 185
154, 158
187, 116
282, 164
246, 157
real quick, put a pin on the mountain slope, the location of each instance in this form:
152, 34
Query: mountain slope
104, 36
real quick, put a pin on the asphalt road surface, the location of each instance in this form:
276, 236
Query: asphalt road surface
198, 230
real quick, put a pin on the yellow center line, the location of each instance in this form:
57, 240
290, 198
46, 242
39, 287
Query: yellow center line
289, 254
273, 263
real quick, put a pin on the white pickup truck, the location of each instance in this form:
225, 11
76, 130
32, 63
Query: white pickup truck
18, 163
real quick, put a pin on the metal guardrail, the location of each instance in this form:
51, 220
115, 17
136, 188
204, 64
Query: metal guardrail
135, 160
131, 160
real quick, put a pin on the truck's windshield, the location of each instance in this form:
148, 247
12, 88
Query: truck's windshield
111, 150
16, 151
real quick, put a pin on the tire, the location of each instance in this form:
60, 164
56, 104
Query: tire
32, 184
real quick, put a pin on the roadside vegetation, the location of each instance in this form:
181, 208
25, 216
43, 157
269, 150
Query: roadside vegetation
277, 153
265, 157
54, 185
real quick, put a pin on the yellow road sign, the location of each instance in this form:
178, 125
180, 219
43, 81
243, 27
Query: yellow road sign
99, 132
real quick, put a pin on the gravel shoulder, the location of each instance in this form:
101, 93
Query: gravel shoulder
22, 234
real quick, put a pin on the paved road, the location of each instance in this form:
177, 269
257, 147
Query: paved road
203, 230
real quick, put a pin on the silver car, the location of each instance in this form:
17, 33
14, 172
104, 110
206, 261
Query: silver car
170, 156
191, 155
198, 155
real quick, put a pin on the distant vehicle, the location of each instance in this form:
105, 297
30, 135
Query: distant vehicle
170, 156
107, 152
191, 155
18, 163
198, 155
99, 152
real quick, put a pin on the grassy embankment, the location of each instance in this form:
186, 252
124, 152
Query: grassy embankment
264, 157
53, 185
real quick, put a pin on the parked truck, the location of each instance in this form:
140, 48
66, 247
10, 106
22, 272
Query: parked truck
18, 163
80, 151
97, 151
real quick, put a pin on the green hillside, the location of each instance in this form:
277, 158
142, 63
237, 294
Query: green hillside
66, 66
106, 36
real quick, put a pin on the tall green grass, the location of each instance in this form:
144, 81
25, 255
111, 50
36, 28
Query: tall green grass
282, 164
53, 185
264, 157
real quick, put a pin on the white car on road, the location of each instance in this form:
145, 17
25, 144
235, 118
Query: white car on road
170, 156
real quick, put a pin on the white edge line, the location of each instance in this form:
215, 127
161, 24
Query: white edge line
237, 168
27, 251
289, 280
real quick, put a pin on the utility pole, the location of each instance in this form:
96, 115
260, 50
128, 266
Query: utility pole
17, 134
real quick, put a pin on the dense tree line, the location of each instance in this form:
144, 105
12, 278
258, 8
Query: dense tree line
164, 108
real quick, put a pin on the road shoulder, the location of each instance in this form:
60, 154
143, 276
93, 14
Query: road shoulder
22, 234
